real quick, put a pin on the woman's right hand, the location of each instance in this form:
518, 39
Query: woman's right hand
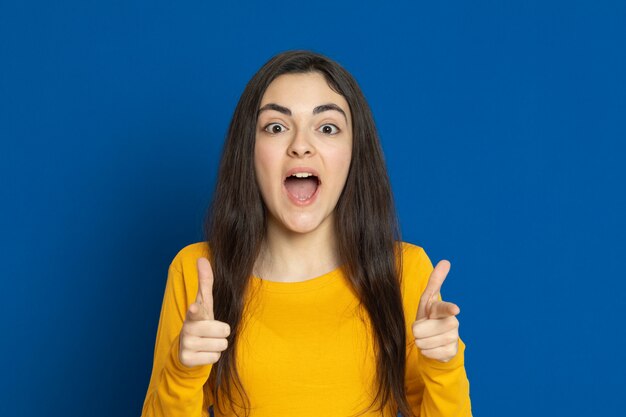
202, 339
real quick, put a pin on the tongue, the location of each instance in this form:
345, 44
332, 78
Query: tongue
301, 188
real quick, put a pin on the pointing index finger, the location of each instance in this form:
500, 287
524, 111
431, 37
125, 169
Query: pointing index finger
205, 286
433, 288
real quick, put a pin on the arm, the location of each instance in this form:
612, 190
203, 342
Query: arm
175, 389
434, 388
442, 389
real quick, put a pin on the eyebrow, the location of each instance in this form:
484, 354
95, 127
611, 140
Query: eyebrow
317, 110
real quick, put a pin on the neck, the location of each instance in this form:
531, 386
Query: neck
288, 256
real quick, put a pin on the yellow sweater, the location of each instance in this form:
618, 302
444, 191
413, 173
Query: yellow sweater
304, 350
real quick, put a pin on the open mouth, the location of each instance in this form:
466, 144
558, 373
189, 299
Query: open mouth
302, 186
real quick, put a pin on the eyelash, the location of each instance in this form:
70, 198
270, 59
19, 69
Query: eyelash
325, 124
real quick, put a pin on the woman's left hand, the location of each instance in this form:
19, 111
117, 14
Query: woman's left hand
436, 328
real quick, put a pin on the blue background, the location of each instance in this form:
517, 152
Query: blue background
502, 123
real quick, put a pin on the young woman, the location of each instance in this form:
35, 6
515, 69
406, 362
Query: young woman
303, 301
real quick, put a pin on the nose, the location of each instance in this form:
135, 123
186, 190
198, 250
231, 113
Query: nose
300, 145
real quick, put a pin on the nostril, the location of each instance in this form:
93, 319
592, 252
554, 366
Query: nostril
295, 152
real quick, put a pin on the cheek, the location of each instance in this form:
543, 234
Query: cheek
264, 161
260, 158
265, 152
342, 159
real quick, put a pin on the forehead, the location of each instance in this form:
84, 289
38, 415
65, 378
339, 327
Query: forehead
302, 92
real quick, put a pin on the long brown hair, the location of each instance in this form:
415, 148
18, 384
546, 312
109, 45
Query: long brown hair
365, 224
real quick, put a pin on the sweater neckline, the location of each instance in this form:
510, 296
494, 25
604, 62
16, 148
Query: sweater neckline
298, 286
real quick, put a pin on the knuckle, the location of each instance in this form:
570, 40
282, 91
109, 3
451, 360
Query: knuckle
184, 343
215, 345
188, 328
190, 343
213, 356
452, 323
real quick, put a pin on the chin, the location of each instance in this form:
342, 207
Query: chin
302, 228
303, 225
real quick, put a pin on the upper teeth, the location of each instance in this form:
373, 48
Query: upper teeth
303, 174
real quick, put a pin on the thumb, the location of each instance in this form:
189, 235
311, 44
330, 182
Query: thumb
431, 292
204, 298
442, 309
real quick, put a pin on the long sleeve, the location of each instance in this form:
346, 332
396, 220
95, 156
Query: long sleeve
442, 389
434, 389
305, 349
174, 389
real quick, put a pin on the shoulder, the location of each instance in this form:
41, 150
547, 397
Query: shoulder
186, 258
416, 269
414, 259
182, 282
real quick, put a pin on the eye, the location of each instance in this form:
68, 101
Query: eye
274, 128
329, 129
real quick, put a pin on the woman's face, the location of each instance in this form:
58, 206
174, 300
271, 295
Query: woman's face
303, 150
